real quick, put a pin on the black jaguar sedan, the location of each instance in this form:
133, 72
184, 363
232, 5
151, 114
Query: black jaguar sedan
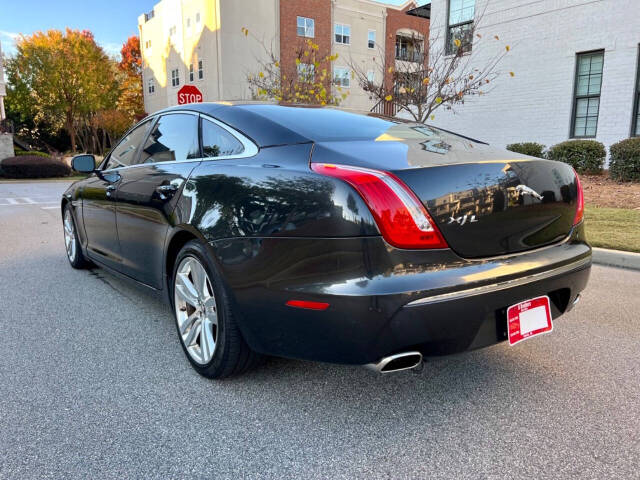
318, 234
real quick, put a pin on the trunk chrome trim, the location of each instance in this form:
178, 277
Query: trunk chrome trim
495, 287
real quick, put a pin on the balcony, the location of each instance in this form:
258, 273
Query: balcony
409, 49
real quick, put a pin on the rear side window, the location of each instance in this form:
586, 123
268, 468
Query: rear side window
217, 142
125, 152
173, 138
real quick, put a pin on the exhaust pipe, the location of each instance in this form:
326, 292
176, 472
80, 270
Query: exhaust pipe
397, 362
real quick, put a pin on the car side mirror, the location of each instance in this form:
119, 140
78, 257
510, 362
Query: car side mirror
83, 163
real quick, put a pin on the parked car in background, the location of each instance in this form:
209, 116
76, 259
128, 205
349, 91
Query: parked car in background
324, 235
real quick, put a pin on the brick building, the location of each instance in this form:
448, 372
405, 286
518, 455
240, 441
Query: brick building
201, 42
575, 65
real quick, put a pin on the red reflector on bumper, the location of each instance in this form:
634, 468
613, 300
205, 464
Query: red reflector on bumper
307, 305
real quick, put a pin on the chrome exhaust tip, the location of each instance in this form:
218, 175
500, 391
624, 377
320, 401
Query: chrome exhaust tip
575, 302
397, 362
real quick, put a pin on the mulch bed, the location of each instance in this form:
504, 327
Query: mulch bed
602, 191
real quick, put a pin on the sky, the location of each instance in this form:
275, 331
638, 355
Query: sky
111, 21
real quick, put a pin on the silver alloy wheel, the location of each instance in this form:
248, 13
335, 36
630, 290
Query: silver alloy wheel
196, 310
69, 235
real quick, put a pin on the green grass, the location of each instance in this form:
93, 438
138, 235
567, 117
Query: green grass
616, 228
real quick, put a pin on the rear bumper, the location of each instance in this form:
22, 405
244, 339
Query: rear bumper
383, 300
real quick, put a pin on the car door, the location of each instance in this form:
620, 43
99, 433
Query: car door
147, 193
99, 195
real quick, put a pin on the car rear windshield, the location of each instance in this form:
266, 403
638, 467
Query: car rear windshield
323, 124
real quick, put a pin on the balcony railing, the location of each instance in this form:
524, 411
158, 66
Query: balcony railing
407, 55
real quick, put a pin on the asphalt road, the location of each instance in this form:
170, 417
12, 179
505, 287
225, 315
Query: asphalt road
94, 384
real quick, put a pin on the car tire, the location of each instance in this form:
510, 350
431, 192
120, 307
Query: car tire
72, 244
230, 354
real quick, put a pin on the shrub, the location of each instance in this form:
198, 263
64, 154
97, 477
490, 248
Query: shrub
624, 163
21, 153
34, 167
528, 148
586, 156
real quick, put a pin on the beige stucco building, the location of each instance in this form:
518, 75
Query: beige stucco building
3, 90
202, 42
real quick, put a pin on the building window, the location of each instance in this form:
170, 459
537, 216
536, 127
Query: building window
175, 78
342, 33
200, 70
408, 49
147, 44
191, 72
587, 94
172, 31
306, 72
460, 25
188, 26
371, 39
198, 18
306, 27
371, 76
341, 77
151, 86
635, 130
148, 16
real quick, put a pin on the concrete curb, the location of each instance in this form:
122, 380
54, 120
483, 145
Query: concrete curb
616, 258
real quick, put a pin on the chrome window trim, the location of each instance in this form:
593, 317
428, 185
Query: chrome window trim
495, 287
250, 148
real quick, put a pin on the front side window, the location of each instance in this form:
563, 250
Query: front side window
174, 137
175, 77
125, 152
200, 70
341, 77
371, 39
217, 142
587, 94
342, 34
306, 27
151, 86
635, 129
460, 25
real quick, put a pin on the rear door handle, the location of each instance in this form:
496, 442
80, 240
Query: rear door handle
166, 191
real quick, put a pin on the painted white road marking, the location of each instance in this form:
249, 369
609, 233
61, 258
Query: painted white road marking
11, 201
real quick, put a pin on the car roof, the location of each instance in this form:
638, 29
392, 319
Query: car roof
269, 124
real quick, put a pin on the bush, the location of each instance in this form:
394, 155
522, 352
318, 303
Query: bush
34, 167
586, 156
21, 153
624, 163
527, 148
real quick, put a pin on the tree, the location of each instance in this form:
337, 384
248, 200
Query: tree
431, 74
62, 80
131, 58
308, 80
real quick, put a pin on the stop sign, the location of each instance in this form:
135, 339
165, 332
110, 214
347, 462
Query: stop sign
189, 94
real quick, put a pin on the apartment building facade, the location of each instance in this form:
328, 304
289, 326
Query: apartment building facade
3, 90
202, 42
575, 64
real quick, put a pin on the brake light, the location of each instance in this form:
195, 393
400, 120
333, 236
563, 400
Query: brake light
580, 203
307, 304
399, 214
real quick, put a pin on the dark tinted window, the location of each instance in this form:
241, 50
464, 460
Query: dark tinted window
323, 124
125, 151
217, 142
174, 137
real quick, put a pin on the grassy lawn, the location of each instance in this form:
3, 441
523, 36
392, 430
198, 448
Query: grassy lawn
616, 228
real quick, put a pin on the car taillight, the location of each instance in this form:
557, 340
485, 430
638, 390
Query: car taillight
580, 203
399, 214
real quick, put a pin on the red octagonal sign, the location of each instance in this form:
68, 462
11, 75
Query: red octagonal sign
189, 94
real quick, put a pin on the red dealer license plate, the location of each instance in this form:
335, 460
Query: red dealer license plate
528, 319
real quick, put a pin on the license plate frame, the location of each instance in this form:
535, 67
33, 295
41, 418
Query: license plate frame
528, 319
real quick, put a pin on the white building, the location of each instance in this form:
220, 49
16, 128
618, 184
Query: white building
203, 43
575, 64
